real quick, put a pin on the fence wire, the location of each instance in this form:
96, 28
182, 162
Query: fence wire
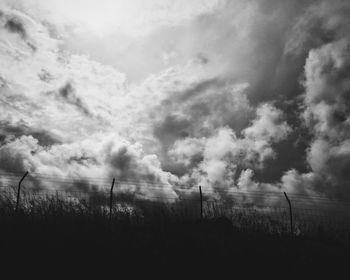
245, 209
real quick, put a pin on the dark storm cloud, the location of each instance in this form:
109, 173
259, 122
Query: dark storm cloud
282, 51
197, 89
213, 101
125, 163
272, 62
12, 162
68, 94
171, 129
17, 23
9, 131
15, 26
290, 154
254, 52
198, 111
320, 23
321, 37
257, 57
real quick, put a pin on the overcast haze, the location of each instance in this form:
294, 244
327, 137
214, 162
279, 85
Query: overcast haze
249, 95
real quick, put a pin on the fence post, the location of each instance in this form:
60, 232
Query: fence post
290, 213
111, 201
201, 200
19, 191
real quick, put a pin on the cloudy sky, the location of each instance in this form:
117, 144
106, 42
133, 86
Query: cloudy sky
232, 95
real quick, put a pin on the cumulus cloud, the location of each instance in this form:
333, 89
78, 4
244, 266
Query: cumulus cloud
47, 123
103, 157
327, 112
326, 100
220, 160
212, 97
10, 130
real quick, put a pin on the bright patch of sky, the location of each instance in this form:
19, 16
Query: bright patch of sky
135, 18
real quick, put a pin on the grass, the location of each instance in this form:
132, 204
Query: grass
51, 230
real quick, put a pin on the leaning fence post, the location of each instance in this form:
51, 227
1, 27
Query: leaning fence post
201, 200
111, 201
290, 214
19, 190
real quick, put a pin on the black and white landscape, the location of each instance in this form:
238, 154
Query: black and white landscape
225, 125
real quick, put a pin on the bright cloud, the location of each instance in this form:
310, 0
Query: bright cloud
249, 95
136, 18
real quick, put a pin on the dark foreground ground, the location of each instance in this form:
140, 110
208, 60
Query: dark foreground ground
56, 240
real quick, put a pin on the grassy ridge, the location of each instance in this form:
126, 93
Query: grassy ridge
51, 230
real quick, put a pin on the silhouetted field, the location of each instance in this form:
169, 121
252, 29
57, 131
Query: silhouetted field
56, 234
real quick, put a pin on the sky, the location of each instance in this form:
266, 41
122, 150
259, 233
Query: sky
230, 95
